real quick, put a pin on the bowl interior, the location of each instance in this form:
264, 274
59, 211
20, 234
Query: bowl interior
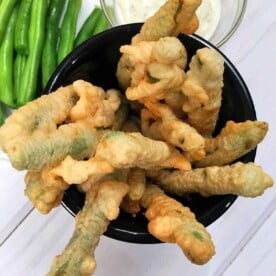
231, 14
96, 61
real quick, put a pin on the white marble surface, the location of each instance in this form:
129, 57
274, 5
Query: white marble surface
244, 236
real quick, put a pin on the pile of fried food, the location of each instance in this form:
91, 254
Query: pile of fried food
127, 150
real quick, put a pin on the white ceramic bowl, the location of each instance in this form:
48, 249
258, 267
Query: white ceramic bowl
231, 14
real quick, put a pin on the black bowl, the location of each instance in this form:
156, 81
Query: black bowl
95, 61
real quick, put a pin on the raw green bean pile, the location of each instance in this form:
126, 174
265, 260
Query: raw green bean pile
35, 36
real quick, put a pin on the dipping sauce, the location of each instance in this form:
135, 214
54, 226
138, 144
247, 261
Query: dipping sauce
131, 11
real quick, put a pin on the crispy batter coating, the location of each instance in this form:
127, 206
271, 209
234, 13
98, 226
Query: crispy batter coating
42, 150
165, 50
174, 17
176, 131
40, 115
130, 206
94, 103
124, 71
44, 195
246, 180
137, 183
171, 222
187, 20
101, 206
203, 89
158, 79
175, 100
78, 171
117, 174
157, 67
150, 125
234, 141
142, 52
125, 150
121, 114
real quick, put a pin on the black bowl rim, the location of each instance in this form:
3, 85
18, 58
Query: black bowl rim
226, 200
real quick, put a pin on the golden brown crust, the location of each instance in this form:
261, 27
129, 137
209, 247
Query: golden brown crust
241, 179
44, 195
234, 141
174, 17
203, 90
171, 222
101, 205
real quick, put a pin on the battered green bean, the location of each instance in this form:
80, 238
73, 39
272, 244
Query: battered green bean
100, 207
78, 140
49, 53
6, 10
248, 180
6, 63
21, 39
44, 197
68, 29
29, 79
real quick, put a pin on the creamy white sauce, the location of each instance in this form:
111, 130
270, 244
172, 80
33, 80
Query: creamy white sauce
130, 11
208, 14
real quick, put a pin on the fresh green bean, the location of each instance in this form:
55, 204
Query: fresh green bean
6, 63
87, 28
2, 115
68, 29
19, 66
6, 10
49, 53
21, 40
102, 24
29, 80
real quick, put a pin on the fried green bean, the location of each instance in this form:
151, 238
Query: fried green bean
173, 17
44, 195
44, 113
41, 150
137, 150
248, 180
101, 206
172, 222
137, 183
203, 90
79, 171
121, 115
136, 180
234, 141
